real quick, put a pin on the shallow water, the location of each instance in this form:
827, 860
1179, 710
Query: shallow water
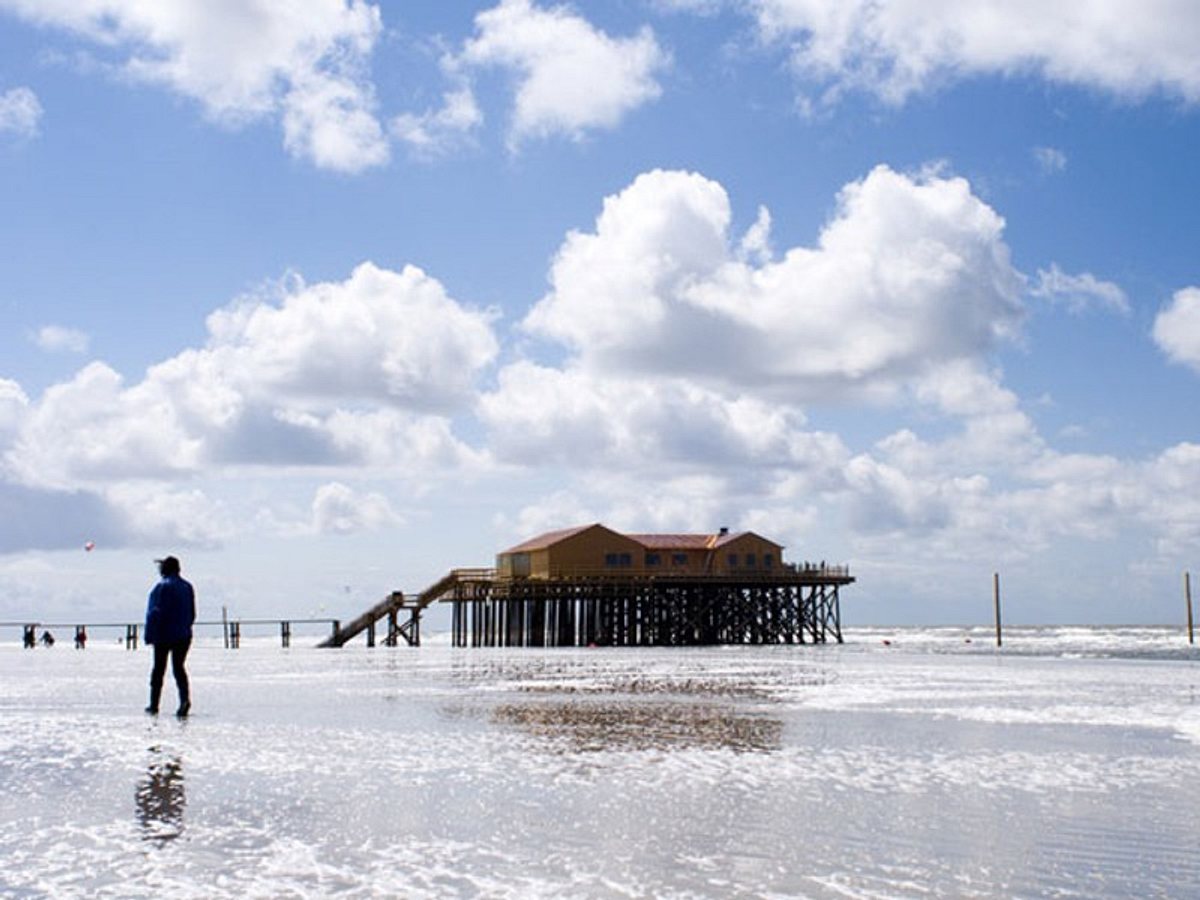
926, 767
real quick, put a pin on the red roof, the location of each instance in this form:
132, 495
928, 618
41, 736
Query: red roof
674, 541
649, 541
542, 541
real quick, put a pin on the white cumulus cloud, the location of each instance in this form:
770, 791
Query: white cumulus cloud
56, 338
356, 373
1167, 493
339, 509
539, 414
911, 271
156, 515
13, 405
20, 112
388, 337
895, 48
1079, 292
1177, 328
571, 77
437, 131
302, 62
1050, 159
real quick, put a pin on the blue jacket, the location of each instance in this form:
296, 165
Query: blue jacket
171, 611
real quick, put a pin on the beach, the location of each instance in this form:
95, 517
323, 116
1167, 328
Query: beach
1066, 764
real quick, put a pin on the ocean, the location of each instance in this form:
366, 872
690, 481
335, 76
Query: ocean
906, 763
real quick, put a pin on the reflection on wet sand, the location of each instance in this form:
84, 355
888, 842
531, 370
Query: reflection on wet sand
624, 675
646, 684
616, 702
160, 798
623, 725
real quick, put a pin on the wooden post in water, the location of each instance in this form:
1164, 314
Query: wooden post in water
225, 625
1187, 595
996, 604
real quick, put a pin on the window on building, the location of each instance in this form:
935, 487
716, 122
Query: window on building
768, 560
611, 560
751, 561
624, 560
733, 560
679, 559
653, 559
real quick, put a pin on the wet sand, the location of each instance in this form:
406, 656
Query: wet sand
920, 769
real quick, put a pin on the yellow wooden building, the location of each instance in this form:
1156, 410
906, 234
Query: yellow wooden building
594, 550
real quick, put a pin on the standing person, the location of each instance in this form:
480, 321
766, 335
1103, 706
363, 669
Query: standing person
170, 613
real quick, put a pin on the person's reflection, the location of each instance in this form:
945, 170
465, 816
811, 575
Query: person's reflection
160, 798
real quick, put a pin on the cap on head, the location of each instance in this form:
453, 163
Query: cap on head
168, 565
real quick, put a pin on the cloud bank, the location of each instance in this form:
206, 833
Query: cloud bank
357, 376
671, 377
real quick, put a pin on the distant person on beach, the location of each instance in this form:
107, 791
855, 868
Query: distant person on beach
80, 638
47, 639
170, 613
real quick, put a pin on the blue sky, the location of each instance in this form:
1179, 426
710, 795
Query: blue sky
327, 298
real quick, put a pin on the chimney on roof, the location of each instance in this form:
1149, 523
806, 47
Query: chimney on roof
724, 531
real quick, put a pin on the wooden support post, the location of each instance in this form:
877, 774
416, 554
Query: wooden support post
371, 634
996, 604
285, 634
131, 637
225, 625
235, 635
1187, 594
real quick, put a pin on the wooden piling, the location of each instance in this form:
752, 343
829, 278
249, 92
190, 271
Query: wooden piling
996, 604
225, 626
1187, 595
787, 608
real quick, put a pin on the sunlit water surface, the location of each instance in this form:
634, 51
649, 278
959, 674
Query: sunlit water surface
1065, 765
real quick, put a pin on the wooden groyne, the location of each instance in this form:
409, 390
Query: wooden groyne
81, 632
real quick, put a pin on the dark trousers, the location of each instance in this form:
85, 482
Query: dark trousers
178, 653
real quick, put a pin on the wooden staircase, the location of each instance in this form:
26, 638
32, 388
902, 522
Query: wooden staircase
396, 603
388, 606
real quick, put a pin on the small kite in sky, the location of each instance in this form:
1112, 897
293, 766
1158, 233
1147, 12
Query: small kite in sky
89, 546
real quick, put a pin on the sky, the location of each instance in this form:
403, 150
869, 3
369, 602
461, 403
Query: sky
329, 297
